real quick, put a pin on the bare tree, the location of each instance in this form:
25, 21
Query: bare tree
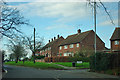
10, 20
29, 43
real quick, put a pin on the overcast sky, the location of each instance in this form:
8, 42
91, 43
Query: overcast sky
65, 18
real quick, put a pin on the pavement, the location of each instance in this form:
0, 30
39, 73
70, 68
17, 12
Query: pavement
69, 68
27, 72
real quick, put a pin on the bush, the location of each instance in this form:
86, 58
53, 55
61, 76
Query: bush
66, 59
57, 59
104, 61
84, 59
39, 57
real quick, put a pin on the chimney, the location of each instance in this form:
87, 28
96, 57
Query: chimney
49, 40
54, 38
58, 36
79, 31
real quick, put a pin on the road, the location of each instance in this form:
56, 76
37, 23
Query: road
27, 72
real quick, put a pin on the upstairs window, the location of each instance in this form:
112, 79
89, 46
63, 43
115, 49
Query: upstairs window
77, 45
116, 42
60, 47
65, 47
71, 46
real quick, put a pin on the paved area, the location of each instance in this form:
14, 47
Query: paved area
27, 72
69, 68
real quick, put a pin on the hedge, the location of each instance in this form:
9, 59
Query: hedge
105, 61
66, 59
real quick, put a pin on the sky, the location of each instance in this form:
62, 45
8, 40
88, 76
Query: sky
65, 18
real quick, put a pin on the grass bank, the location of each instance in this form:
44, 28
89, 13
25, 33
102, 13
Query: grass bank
36, 65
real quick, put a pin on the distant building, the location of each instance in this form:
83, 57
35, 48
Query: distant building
115, 40
51, 48
73, 43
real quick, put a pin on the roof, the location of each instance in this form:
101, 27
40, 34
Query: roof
76, 38
51, 43
116, 34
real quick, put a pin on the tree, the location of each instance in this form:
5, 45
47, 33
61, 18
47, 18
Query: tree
11, 57
18, 51
10, 20
29, 43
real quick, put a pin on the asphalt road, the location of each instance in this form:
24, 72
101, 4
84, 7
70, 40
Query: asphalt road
27, 72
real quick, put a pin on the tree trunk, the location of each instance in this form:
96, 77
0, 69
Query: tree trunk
17, 60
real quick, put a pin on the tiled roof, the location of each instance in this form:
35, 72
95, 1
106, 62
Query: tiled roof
51, 43
116, 34
76, 38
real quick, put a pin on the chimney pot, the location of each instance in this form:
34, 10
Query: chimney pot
58, 36
79, 31
54, 38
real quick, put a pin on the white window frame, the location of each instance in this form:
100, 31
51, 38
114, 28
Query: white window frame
67, 54
77, 45
65, 47
60, 47
116, 42
71, 45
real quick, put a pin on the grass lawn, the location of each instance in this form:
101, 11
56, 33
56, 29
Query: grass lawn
78, 65
36, 65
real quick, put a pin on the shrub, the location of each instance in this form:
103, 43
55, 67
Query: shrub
66, 59
57, 59
84, 59
39, 57
104, 61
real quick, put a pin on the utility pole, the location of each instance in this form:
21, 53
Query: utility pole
95, 29
34, 46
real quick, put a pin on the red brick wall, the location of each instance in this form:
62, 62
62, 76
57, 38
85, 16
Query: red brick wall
90, 40
45, 52
73, 50
55, 48
115, 47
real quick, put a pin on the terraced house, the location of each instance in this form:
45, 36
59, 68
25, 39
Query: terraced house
115, 40
75, 42
72, 44
51, 48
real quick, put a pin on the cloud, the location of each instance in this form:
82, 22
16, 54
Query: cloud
58, 0
63, 11
59, 26
108, 23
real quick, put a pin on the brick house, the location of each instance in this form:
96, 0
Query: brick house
115, 40
51, 48
73, 43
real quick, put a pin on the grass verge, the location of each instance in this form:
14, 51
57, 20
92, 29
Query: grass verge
40, 65
78, 65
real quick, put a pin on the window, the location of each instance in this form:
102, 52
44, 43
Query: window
65, 47
116, 42
40, 51
71, 46
60, 47
60, 54
69, 54
77, 45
